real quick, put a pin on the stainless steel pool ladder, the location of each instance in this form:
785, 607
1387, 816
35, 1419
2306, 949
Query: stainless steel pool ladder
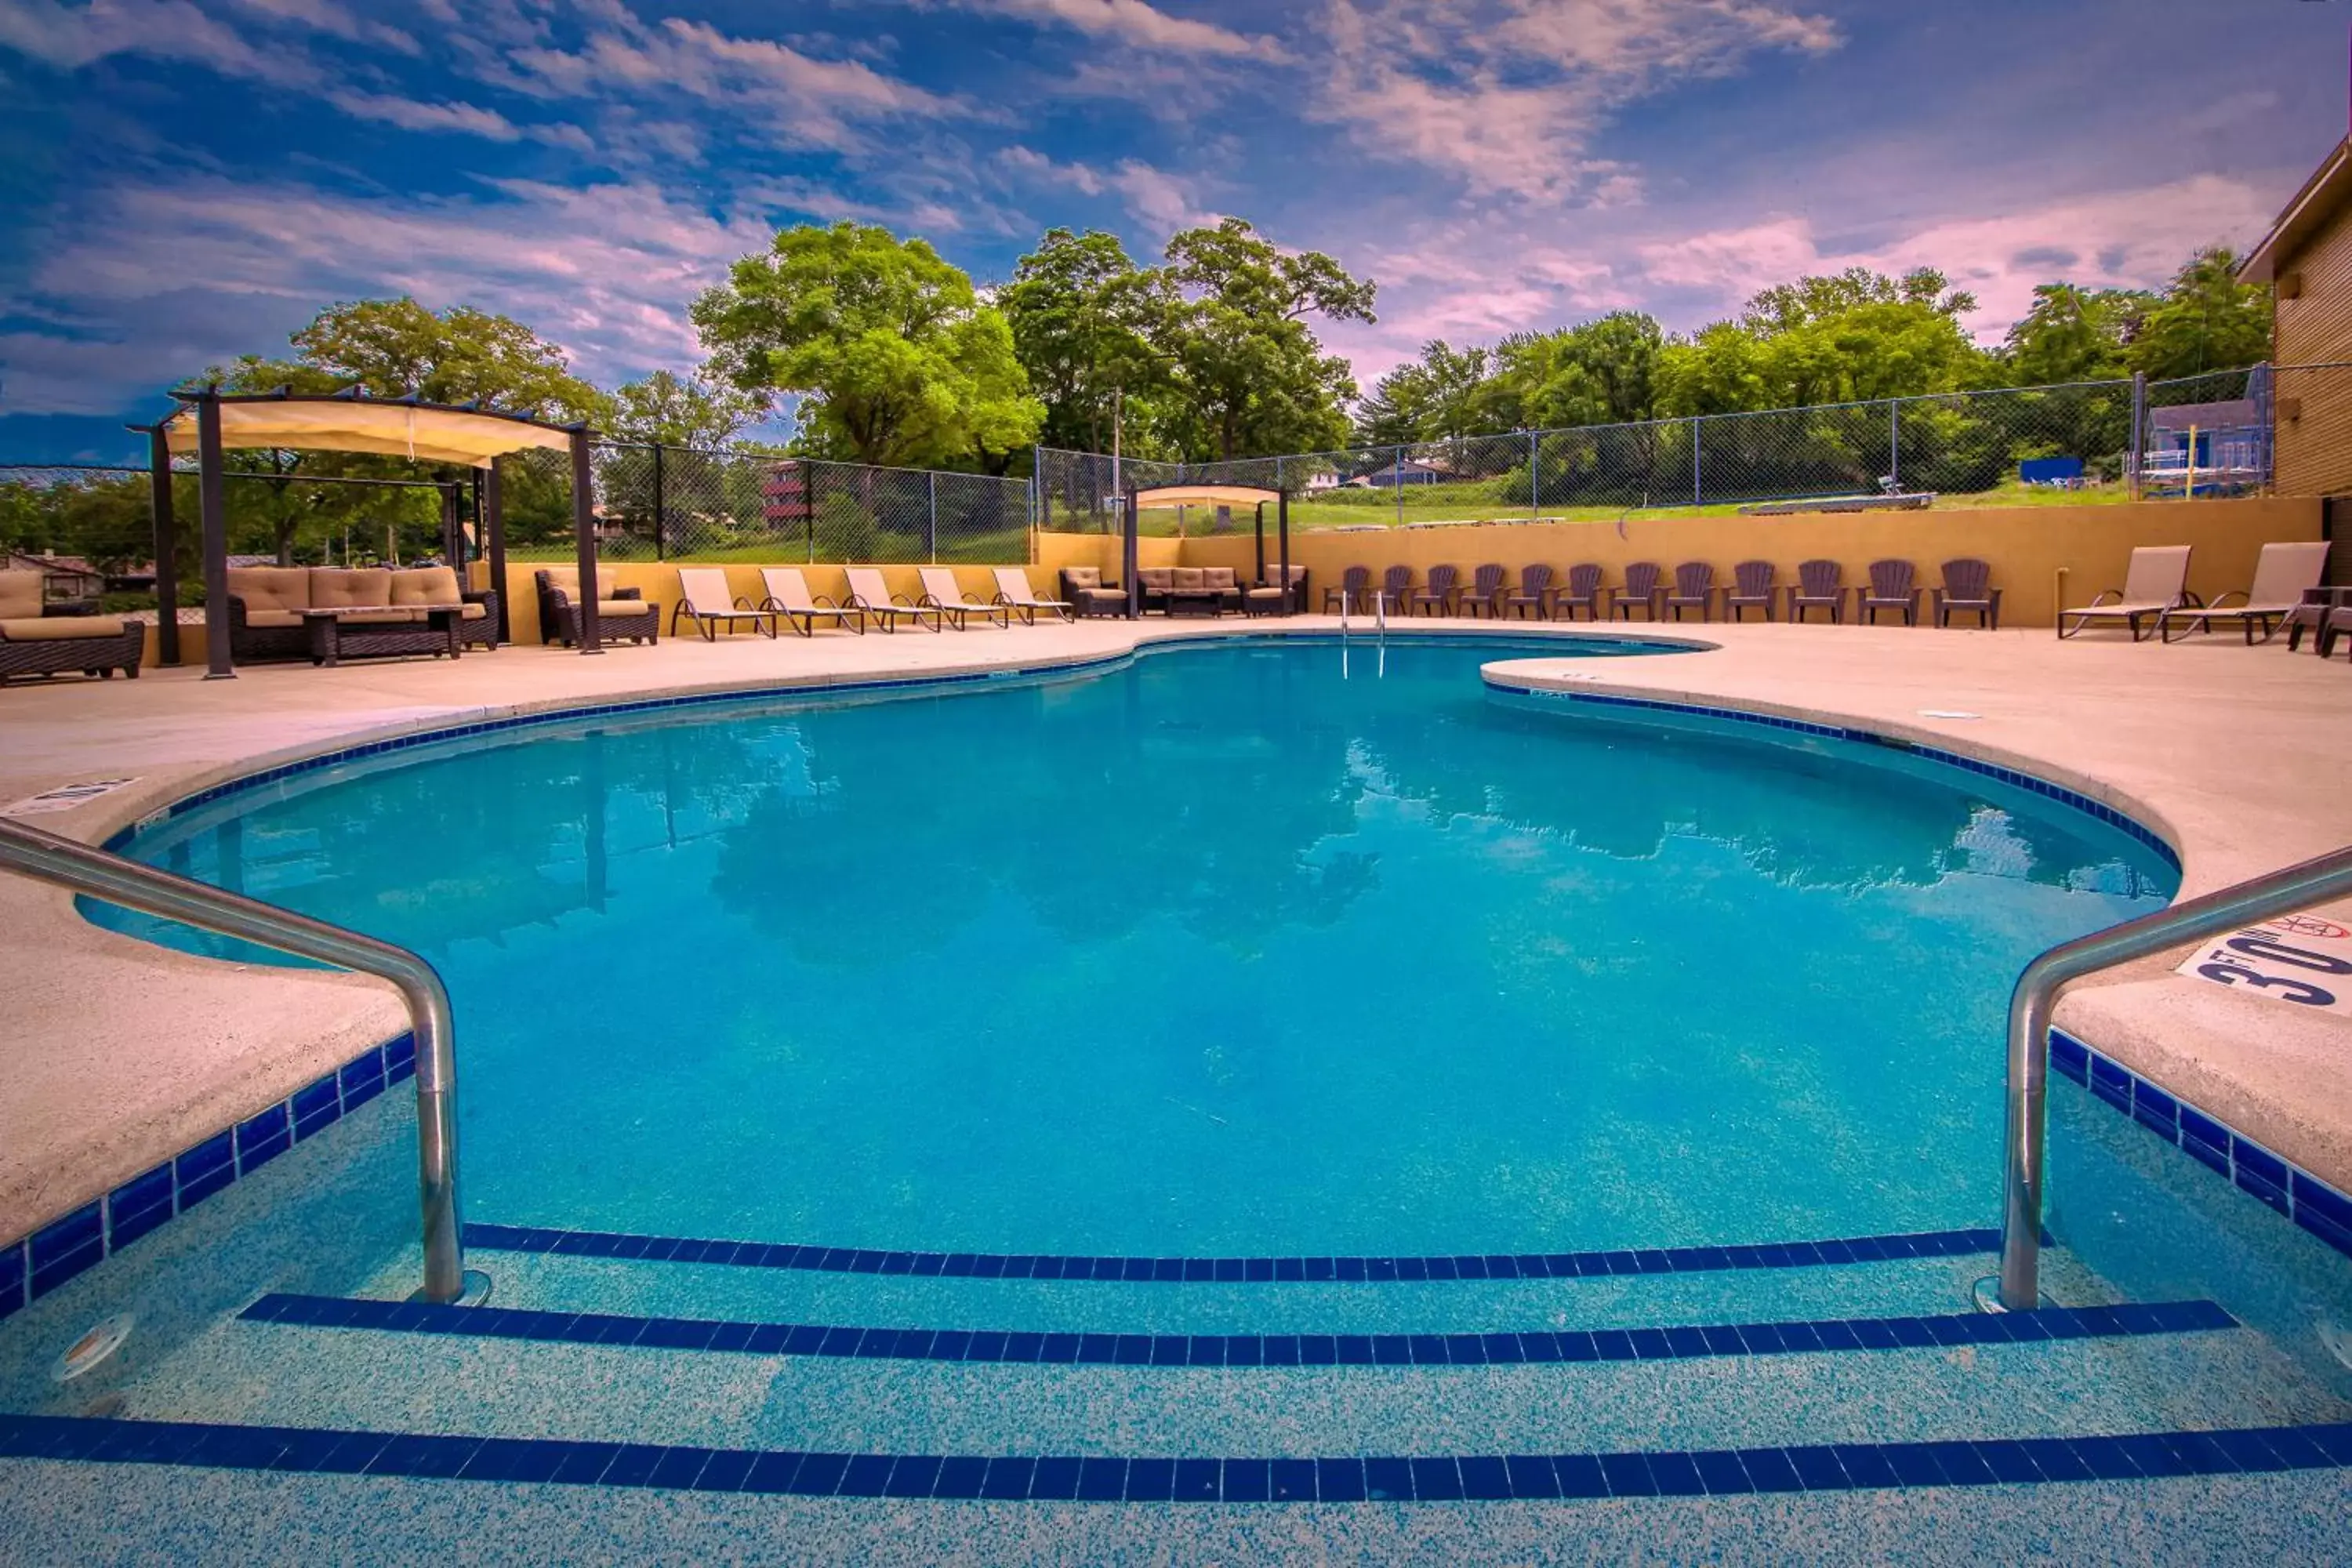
1379, 613
2032, 1004
77, 866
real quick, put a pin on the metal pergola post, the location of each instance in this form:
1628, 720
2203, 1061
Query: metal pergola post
212, 500
167, 553
1282, 529
1127, 557
583, 530
494, 543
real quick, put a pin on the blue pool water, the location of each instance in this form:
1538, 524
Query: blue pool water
1233, 950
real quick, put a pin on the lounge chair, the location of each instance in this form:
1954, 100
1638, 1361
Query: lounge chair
2333, 624
1820, 585
2283, 573
1751, 588
1534, 598
702, 599
34, 643
942, 593
789, 599
1640, 588
871, 596
1396, 582
1354, 592
1437, 592
1893, 586
2156, 581
1694, 585
1269, 599
1012, 592
1968, 586
1583, 593
1485, 595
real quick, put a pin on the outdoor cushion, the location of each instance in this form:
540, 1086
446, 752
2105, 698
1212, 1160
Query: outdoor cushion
623, 606
59, 628
273, 618
270, 588
342, 587
1155, 578
426, 585
20, 594
473, 612
1083, 576
1187, 578
1217, 577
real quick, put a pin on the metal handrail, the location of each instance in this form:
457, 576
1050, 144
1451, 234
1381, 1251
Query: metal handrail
68, 864
2031, 1007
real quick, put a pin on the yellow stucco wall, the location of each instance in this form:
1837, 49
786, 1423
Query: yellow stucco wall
2026, 545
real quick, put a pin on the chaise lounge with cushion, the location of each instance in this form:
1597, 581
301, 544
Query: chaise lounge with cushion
620, 613
34, 643
327, 613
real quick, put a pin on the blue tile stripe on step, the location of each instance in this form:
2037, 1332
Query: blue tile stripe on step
1442, 1477
33, 1266
2270, 1179
2122, 821
1682, 1342
1237, 1270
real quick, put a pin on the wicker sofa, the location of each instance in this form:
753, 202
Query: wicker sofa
620, 613
1162, 586
385, 611
34, 643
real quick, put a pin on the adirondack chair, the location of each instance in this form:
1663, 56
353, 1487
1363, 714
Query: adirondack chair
1968, 586
1582, 592
1820, 585
1533, 597
1640, 588
1893, 586
1694, 585
1751, 586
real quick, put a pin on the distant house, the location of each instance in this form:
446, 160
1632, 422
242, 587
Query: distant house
65, 579
1394, 475
2307, 259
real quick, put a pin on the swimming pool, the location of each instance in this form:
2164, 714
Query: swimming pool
1270, 1073
1244, 949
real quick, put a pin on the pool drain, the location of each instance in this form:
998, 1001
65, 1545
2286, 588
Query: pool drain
91, 1350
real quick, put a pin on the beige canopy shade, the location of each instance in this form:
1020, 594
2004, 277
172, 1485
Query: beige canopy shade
1205, 495
429, 432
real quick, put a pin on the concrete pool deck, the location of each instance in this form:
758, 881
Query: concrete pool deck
120, 1053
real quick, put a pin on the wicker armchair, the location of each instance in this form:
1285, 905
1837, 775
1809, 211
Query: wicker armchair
1084, 591
35, 644
622, 614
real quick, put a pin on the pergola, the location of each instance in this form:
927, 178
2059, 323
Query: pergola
1162, 497
208, 422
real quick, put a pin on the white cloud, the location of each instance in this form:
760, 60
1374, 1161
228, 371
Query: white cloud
195, 271
2134, 239
70, 38
1167, 201
465, 119
1507, 96
1130, 22
337, 20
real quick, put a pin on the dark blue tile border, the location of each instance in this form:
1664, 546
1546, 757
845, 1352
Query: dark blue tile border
2121, 821
33, 1266
1839, 1336
1236, 1270
1444, 1477
2268, 1178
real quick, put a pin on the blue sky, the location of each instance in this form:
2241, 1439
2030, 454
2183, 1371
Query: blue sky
191, 179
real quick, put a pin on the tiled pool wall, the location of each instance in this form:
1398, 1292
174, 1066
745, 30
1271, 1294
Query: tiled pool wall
33, 1266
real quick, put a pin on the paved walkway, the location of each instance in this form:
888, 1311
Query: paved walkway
117, 1053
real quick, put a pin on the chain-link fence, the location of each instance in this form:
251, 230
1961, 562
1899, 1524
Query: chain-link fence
678, 503
2204, 436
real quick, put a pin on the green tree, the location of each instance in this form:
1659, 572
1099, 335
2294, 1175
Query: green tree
394, 347
895, 356
2074, 335
1082, 313
2207, 321
1441, 396
681, 411
1854, 336
1247, 375
1603, 372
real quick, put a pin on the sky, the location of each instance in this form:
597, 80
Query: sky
188, 180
